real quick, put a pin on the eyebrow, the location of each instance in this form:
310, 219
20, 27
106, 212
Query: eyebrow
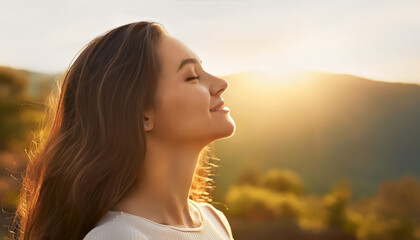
187, 60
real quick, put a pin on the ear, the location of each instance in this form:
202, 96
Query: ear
148, 120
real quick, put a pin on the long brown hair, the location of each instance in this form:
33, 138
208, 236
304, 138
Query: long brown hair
91, 143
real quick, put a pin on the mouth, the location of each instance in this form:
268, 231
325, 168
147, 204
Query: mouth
218, 106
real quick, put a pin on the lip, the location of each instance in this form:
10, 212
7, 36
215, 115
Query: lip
218, 106
223, 109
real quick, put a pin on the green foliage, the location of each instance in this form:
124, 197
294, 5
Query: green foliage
336, 205
282, 181
254, 202
22, 94
392, 214
12, 86
272, 195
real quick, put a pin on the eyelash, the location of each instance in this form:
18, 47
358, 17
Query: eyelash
191, 78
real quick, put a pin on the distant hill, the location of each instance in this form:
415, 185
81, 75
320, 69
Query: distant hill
37, 84
323, 126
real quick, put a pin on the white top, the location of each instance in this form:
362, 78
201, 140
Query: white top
124, 226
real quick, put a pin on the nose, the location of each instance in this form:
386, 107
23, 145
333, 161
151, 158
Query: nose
219, 86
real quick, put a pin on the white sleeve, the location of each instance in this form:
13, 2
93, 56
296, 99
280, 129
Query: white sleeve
114, 231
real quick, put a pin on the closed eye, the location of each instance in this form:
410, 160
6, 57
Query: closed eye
195, 77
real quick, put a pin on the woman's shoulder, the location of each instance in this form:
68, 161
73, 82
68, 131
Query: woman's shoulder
209, 206
114, 230
219, 215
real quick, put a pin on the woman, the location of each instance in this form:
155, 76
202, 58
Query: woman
126, 153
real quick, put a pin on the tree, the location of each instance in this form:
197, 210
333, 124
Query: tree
282, 181
12, 87
336, 204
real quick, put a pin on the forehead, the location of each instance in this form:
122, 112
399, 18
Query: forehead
171, 52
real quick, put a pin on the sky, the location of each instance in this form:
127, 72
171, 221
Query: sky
376, 39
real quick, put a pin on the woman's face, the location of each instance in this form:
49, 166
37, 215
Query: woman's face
183, 106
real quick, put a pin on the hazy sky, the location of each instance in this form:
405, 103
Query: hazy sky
377, 39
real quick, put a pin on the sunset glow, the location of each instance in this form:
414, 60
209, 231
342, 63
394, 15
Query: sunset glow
374, 39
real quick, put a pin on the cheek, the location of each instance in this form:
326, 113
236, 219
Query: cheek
184, 108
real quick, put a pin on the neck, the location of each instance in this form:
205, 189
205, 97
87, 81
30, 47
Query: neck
161, 194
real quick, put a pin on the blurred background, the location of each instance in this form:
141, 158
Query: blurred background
325, 96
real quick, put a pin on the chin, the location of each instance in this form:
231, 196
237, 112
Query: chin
232, 130
226, 131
